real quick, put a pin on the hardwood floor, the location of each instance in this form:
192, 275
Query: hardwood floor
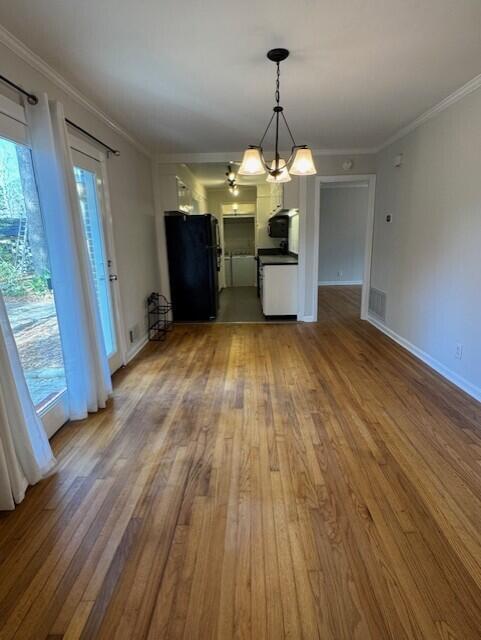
258, 481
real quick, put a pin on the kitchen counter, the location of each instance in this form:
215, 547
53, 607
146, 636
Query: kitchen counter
277, 259
277, 278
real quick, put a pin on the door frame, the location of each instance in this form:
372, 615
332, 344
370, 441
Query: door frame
370, 178
53, 412
81, 146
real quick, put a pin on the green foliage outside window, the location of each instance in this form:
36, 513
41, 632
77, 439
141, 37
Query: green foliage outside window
23, 255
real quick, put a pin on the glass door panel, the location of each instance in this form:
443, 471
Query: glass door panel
25, 280
89, 187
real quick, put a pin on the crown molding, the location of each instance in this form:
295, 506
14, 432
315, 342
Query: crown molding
360, 151
194, 158
454, 97
37, 63
345, 185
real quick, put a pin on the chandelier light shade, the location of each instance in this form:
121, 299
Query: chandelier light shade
252, 164
303, 163
300, 162
281, 176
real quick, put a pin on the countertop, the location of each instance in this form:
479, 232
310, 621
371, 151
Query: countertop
277, 259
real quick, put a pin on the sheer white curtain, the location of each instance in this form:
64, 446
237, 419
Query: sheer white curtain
25, 454
86, 366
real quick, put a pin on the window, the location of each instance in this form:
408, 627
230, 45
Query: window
25, 279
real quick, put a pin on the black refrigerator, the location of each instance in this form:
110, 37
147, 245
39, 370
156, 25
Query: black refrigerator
194, 254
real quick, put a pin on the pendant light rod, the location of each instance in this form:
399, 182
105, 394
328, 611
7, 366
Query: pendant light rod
277, 109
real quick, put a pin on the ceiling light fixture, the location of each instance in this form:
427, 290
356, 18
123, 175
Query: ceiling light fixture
300, 162
231, 181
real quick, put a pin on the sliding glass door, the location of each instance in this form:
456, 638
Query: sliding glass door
25, 281
91, 192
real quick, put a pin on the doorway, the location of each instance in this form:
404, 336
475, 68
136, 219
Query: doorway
236, 209
238, 298
273, 295
92, 191
344, 219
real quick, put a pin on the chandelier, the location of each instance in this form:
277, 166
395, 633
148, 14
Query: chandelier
299, 163
231, 181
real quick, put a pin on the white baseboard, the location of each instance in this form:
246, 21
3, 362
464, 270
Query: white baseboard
307, 319
338, 283
136, 348
440, 368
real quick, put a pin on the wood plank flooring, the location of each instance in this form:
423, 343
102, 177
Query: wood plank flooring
258, 481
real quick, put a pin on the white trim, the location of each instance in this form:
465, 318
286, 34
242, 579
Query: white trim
86, 148
55, 414
136, 349
35, 61
434, 364
454, 97
110, 241
371, 179
336, 185
13, 121
92, 159
366, 279
12, 129
12, 110
338, 283
308, 319
360, 151
301, 256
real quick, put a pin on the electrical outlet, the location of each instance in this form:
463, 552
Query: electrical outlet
458, 354
339, 274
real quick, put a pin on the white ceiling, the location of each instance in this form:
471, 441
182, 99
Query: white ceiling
191, 75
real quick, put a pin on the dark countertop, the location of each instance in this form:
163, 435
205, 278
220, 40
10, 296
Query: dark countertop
278, 259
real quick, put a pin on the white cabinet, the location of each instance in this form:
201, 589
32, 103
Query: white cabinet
279, 289
269, 199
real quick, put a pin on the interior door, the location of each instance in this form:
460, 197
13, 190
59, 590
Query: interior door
92, 191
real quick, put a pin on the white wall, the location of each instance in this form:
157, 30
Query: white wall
131, 192
196, 188
342, 233
294, 233
428, 260
326, 165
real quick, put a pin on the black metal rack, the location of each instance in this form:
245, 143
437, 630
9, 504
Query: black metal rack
159, 311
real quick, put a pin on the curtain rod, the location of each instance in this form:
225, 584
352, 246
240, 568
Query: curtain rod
32, 99
116, 152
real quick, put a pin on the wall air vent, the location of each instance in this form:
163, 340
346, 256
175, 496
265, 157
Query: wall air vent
134, 333
377, 303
